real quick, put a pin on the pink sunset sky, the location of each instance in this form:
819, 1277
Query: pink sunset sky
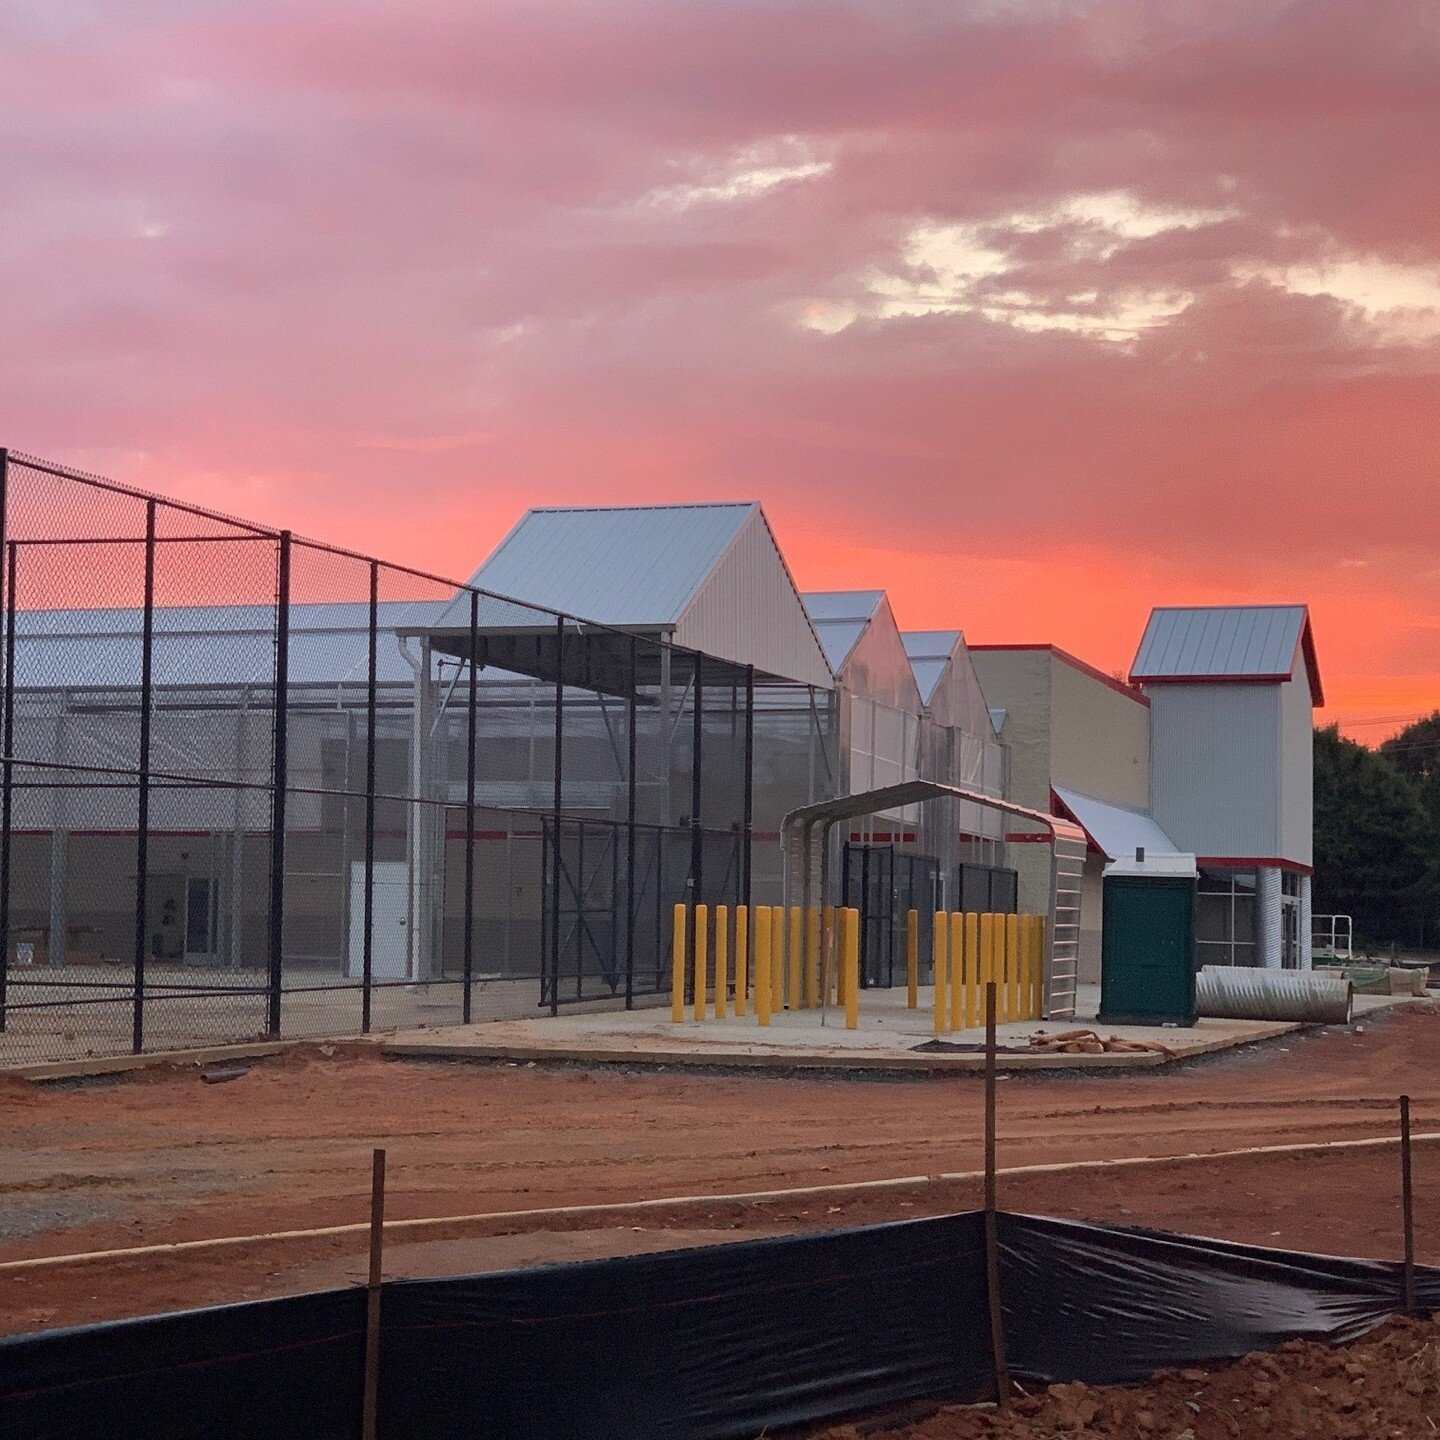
1035, 314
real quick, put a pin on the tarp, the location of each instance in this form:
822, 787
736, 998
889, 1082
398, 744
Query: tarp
720, 1343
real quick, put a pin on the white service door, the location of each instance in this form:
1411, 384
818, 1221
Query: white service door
391, 911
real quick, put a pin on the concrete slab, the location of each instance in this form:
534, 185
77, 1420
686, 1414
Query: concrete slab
889, 1037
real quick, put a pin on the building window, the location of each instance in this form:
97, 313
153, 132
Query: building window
1225, 918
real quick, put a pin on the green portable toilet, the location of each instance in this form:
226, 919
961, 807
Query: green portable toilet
1147, 954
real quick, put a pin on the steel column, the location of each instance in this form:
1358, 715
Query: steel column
7, 778
471, 704
697, 840
367, 931
280, 774
631, 715
142, 813
749, 816
557, 802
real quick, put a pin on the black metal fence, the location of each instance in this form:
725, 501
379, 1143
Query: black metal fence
253, 785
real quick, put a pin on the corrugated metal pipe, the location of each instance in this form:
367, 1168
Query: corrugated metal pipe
1228, 992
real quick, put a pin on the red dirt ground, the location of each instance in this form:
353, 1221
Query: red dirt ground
160, 1156
1385, 1387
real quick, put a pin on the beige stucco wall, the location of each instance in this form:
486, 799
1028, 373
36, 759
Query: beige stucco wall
1018, 682
1100, 739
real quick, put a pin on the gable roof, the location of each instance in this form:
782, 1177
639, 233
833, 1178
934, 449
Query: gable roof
1227, 642
930, 651
711, 577
839, 618
636, 566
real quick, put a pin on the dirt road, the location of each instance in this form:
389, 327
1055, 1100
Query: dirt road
161, 1156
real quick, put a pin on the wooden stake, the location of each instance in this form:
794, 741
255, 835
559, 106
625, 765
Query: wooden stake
1407, 1204
372, 1294
992, 1241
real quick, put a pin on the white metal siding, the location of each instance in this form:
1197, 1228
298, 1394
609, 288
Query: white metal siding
1215, 768
1297, 771
748, 610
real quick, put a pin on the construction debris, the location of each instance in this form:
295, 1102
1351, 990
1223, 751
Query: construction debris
1091, 1042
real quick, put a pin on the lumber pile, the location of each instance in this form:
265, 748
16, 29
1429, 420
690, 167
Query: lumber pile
1091, 1042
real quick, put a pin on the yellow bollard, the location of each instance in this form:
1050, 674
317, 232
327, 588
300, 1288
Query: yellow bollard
742, 975
912, 959
777, 959
829, 966
796, 986
987, 954
1013, 956
762, 964
722, 962
702, 959
997, 971
1027, 967
959, 963
852, 969
973, 992
941, 941
812, 958
1039, 1003
677, 967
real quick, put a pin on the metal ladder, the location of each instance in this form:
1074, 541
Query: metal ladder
1062, 965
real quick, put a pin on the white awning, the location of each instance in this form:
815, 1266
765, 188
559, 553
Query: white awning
1114, 829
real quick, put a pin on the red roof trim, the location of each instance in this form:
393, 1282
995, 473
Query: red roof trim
1253, 862
1075, 663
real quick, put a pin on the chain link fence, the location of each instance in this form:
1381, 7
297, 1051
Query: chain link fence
257, 786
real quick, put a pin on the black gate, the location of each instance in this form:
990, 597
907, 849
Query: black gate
884, 883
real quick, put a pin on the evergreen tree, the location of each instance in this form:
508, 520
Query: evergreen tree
1374, 842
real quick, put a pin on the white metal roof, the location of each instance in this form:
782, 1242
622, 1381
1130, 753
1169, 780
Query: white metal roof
930, 651
1176, 866
1225, 642
636, 566
840, 618
1115, 829
710, 577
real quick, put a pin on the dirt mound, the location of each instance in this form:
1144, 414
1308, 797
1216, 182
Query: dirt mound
1381, 1388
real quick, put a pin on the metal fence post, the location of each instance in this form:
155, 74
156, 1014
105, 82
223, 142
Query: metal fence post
697, 839
7, 738
557, 802
472, 701
142, 812
279, 780
749, 815
632, 706
367, 923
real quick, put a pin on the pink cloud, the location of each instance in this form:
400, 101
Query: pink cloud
278, 254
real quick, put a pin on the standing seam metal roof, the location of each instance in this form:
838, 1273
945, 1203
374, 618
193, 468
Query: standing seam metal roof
636, 566
1231, 642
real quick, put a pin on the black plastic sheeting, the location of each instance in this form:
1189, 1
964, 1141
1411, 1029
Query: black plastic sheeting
720, 1343
1110, 1305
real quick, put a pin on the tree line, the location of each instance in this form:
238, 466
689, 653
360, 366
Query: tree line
1377, 833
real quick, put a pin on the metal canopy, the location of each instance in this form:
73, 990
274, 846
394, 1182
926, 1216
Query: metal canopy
594, 658
804, 843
